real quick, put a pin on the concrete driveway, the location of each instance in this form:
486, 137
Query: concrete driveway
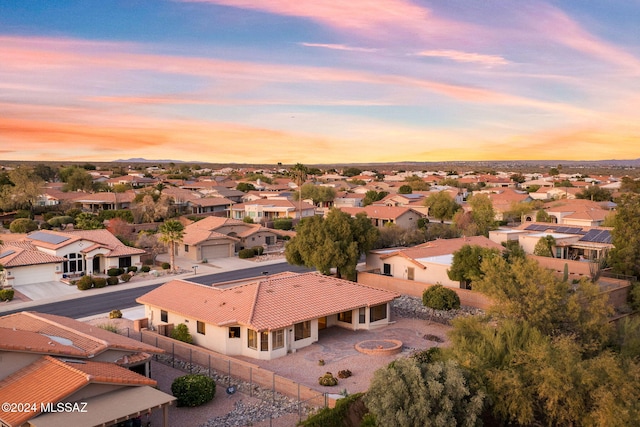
44, 290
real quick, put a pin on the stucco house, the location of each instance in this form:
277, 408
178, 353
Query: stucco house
215, 237
426, 263
266, 317
269, 209
49, 360
47, 255
382, 215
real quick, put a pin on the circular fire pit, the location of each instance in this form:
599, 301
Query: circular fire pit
379, 347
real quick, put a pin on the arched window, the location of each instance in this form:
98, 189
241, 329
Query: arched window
73, 263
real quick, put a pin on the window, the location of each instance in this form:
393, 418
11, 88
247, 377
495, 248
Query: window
124, 262
346, 317
164, 316
252, 339
277, 340
73, 263
200, 327
362, 313
410, 273
264, 341
234, 332
302, 330
378, 312
186, 248
386, 269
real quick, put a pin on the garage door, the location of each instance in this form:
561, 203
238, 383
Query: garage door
34, 274
215, 251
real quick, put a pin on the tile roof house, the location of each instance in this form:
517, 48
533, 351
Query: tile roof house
578, 212
426, 263
270, 209
47, 255
94, 202
266, 317
215, 237
50, 360
381, 215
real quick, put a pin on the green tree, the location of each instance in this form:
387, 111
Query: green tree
351, 172
624, 257
317, 193
544, 246
171, 233
595, 193
466, 264
409, 393
181, 333
416, 183
482, 213
46, 172
543, 216
372, 196
88, 221
335, 241
442, 206
405, 189
22, 191
245, 187
76, 179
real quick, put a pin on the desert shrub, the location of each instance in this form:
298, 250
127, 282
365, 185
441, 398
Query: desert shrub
145, 268
99, 282
125, 277
634, 296
45, 226
181, 333
22, 213
246, 253
6, 294
193, 390
345, 373
283, 224
115, 314
328, 380
248, 220
166, 266
258, 250
23, 225
438, 297
84, 283
109, 327
59, 221
112, 280
114, 272
132, 268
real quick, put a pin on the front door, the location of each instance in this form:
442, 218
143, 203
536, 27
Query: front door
96, 265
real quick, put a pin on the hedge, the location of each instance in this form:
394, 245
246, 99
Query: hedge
246, 253
193, 389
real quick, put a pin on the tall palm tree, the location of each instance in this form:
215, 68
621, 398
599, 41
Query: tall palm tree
172, 232
299, 172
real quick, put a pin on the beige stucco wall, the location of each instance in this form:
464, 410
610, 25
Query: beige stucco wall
433, 273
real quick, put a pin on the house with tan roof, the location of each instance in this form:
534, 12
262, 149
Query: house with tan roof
578, 212
52, 360
47, 255
103, 201
425, 263
266, 317
263, 210
382, 215
215, 237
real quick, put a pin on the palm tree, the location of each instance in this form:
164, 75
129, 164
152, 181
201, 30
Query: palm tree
172, 232
299, 172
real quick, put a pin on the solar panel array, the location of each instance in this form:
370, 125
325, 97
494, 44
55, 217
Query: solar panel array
597, 236
556, 228
538, 227
7, 253
54, 239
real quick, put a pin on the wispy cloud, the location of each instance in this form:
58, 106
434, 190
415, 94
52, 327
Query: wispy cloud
456, 55
338, 47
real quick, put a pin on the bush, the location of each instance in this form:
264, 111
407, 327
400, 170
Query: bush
23, 225
283, 224
345, 409
248, 220
112, 280
115, 314
634, 296
181, 333
132, 268
114, 272
109, 327
193, 390
22, 213
438, 297
258, 250
85, 282
99, 282
125, 277
145, 269
246, 253
328, 380
345, 373
6, 294
166, 266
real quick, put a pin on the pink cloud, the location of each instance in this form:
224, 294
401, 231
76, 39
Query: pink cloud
459, 56
338, 47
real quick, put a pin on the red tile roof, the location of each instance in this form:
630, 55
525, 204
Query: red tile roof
266, 303
18, 255
51, 380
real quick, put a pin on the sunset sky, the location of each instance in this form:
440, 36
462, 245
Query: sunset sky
319, 81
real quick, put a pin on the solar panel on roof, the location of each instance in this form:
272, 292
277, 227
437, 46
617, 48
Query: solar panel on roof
562, 229
597, 236
54, 239
532, 227
7, 253
574, 230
